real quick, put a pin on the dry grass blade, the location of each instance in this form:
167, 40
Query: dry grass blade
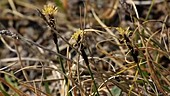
84, 47
13, 88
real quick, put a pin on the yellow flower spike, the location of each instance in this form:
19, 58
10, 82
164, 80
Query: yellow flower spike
78, 33
123, 31
49, 9
120, 30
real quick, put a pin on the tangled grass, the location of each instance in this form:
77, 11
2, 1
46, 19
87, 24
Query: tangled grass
84, 48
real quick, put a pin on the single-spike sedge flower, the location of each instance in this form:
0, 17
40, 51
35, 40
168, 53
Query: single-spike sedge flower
49, 9
48, 14
123, 31
78, 35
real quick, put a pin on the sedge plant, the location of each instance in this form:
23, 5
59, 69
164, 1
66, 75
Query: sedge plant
47, 15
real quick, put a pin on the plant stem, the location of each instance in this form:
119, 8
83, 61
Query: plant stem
90, 72
61, 61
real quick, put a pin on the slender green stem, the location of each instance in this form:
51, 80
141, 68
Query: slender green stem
61, 61
95, 85
90, 72
58, 51
150, 8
